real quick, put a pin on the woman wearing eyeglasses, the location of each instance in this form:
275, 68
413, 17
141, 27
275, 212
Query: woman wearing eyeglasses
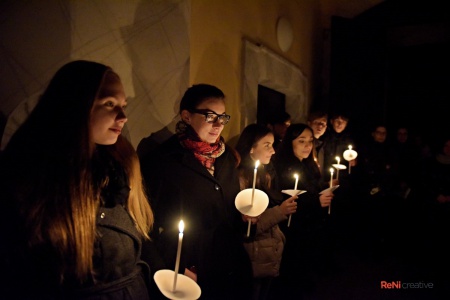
193, 176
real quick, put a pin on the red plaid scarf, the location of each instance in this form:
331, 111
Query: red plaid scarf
205, 153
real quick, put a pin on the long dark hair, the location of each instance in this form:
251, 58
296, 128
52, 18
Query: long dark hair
247, 140
285, 154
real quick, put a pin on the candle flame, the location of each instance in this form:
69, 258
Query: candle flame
181, 226
331, 170
350, 147
257, 164
296, 176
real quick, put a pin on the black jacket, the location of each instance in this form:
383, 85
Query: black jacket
181, 188
119, 271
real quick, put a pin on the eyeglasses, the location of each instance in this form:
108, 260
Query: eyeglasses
212, 117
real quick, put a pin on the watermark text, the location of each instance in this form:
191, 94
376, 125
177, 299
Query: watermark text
405, 285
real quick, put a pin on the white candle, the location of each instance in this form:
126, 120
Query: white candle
254, 179
331, 185
177, 263
338, 159
253, 195
349, 164
295, 188
331, 178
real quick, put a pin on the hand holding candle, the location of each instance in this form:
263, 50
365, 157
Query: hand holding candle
177, 263
295, 189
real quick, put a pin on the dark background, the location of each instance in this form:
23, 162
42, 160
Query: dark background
391, 64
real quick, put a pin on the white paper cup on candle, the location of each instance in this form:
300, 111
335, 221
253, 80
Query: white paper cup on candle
244, 205
187, 289
243, 202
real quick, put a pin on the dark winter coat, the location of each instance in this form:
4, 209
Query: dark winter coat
180, 187
119, 272
266, 247
307, 238
334, 145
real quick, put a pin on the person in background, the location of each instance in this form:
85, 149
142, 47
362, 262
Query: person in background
193, 176
266, 243
307, 250
404, 160
435, 183
72, 195
381, 205
318, 120
337, 139
375, 162
279, 123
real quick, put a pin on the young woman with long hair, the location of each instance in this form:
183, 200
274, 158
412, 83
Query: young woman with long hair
266, 242
72, 194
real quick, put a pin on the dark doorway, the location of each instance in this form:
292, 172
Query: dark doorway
270, 102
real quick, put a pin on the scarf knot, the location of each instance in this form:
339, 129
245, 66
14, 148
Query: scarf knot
204, 152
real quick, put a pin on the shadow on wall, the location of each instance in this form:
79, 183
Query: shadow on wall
157, 45
45, 32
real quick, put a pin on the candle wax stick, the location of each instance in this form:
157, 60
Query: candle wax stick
349, 164
248, 228
254, 180
338, 159
331, 185
331, 178
177, 262
295, 188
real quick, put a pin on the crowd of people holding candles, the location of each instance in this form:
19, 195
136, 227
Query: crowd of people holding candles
84, 217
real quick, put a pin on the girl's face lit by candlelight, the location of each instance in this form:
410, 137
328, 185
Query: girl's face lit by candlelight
263, 149
107, 114
207, 132
302, 145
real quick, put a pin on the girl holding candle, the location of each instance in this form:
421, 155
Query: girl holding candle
193, 176
72, 195
306, 238
266, 243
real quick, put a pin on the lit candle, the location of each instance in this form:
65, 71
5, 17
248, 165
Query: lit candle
350, 156
254, 179
296, 181
338, 162
253, 195
331, 178
177, 263
295, 188
331, 185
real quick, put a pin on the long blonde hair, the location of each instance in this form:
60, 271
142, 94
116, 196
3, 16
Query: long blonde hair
138, 204
48, 176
